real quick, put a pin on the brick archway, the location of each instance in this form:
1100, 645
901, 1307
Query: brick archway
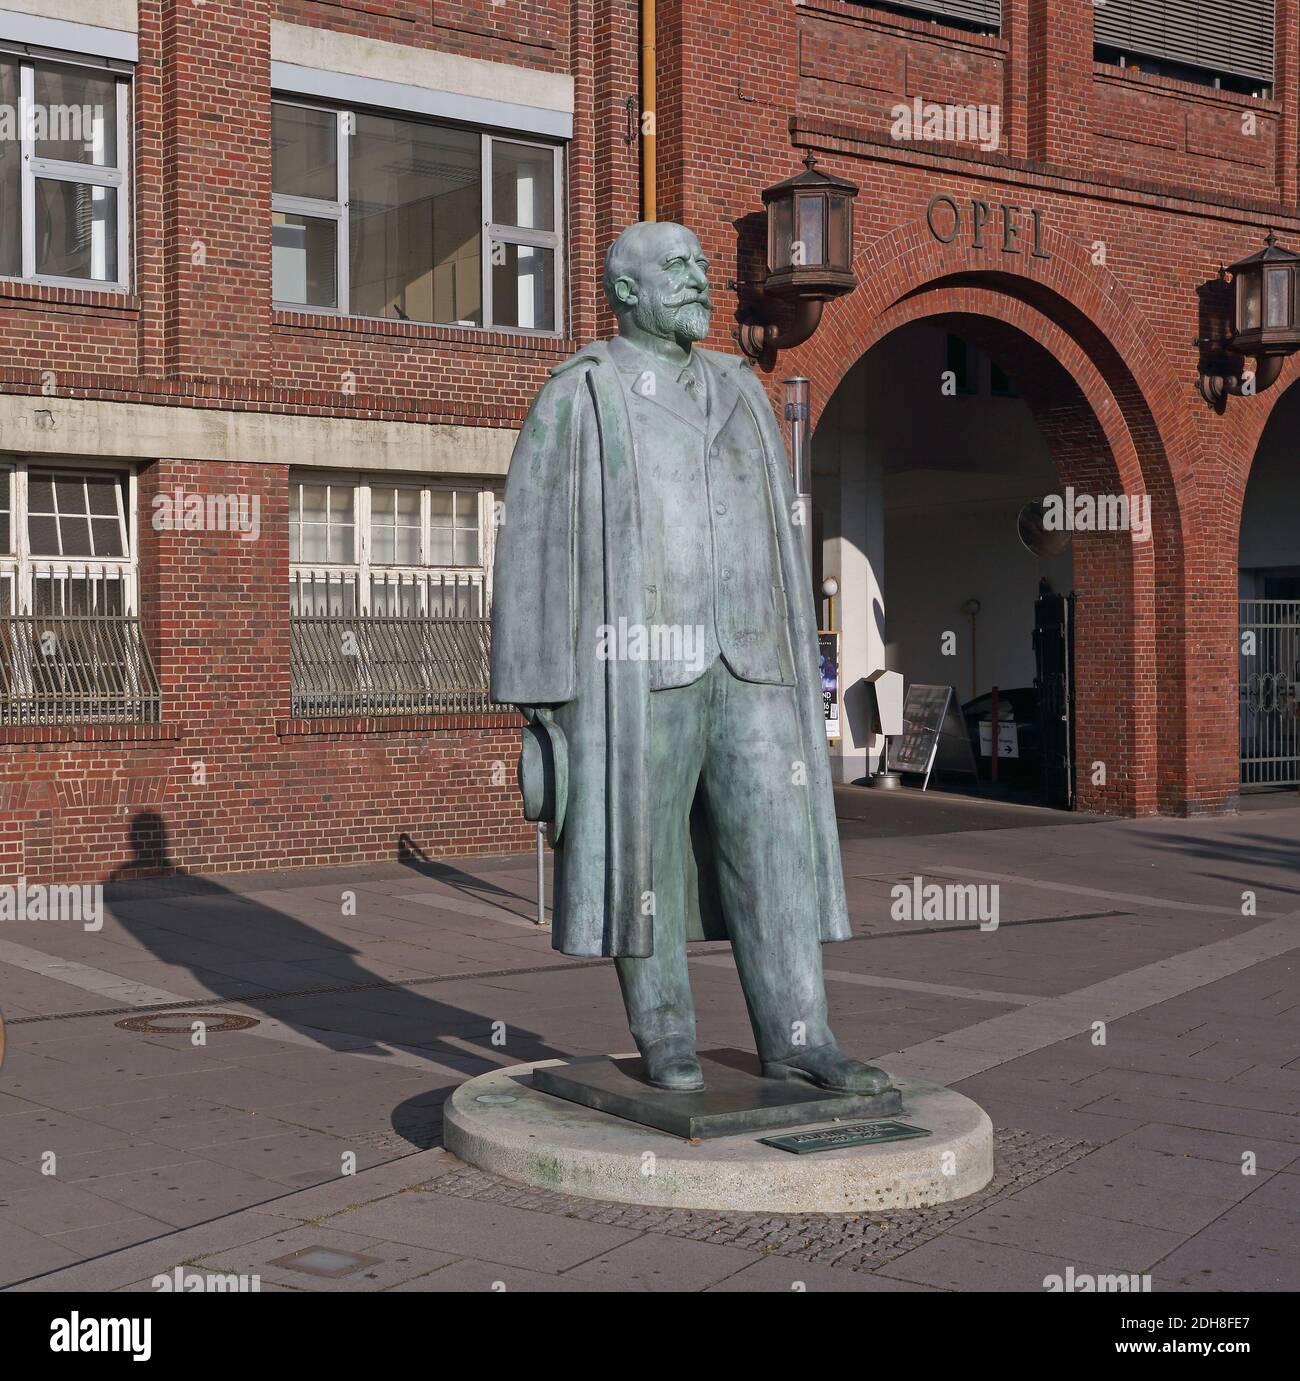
1115, 421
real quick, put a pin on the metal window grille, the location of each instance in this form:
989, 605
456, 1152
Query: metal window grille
382, 665
76, 669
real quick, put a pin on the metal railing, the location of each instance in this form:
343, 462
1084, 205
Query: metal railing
383, 665
1269, 661
76, 669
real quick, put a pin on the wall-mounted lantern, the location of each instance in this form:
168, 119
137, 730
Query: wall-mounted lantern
1266, 324
809, 259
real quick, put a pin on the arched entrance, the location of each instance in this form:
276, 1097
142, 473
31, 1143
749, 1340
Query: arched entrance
1093, 380
928, 454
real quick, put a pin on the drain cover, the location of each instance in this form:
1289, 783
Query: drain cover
324, 1261
182, 1023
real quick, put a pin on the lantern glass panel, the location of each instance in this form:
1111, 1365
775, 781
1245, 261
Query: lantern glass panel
1277, 304
811, 230
840, 248
780, 233
1248, 304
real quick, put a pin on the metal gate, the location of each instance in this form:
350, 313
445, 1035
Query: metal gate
1269, 655
1054, 682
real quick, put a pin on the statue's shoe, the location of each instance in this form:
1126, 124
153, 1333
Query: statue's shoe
826, 1066
671, 1065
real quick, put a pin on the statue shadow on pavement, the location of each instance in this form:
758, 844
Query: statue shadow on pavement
312, 981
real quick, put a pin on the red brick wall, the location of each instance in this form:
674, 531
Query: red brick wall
1164, 179
230, 781
1164, 176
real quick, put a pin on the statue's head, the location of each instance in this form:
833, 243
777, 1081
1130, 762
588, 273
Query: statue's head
656, 281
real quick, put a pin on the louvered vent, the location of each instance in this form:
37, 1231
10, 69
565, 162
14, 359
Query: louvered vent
986, 14
1229, 36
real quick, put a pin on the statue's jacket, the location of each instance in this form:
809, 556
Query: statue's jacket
571, 566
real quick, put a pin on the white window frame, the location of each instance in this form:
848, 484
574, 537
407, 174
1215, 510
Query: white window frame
360, 574
56, 170
494, 233
20, 567
337, 211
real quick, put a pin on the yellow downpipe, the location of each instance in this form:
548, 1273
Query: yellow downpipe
648, 204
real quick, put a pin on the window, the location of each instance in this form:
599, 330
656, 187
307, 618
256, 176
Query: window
70, 644
390, 546
63, 173
1222, 43
66, 540
980, 16
380, 215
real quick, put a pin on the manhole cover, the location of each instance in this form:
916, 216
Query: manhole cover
182, 1023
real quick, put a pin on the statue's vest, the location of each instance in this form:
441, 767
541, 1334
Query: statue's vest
712, 575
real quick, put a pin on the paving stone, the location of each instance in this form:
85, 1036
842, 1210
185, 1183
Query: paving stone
783, 1274
183, 1195
158, 1253
55, 1207
26, 1139
1077, 1236
1185, 1112
111, 1237
1124, 1163
1144, 1204
1231, 1093
1214, 1145
508, 1235
393, 1264
24, 1254
85, 1168
1219, 1055
1206, 1264
656, 1263
469, 1275
963, 1263
1257, 1225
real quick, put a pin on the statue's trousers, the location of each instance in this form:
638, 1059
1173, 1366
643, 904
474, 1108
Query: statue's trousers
738, 744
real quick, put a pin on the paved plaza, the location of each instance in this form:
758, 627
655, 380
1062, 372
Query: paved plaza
1131, 1024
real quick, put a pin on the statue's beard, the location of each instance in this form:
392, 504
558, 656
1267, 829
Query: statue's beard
682, 321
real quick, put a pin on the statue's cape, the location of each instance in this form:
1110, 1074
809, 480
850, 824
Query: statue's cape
568, 562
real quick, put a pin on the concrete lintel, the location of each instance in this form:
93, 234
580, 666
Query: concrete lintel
32, 425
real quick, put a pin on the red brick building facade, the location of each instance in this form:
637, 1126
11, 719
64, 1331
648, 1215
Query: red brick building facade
1104, 209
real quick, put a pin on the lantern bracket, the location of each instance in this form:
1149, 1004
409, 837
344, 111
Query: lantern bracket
762, 340
809, 262
1265, 326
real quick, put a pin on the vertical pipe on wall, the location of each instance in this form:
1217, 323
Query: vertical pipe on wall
648, 203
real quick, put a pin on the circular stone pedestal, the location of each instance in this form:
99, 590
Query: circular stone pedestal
500, 1124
